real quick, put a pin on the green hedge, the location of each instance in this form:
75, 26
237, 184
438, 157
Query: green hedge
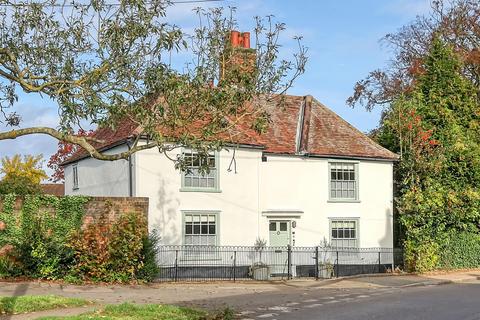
460, 251
46, 240
454, 250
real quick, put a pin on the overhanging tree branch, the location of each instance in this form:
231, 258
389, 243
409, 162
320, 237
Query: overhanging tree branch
80, 141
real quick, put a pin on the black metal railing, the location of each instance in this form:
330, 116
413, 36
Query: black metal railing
193, 263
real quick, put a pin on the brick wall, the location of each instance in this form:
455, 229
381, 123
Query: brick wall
111, 207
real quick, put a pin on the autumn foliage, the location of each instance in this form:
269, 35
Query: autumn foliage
21, 175
64, 151
435, 128
106, 251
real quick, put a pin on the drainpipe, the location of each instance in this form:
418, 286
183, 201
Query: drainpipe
130, 170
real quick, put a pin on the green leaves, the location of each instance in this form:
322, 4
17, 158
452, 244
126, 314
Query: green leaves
50, 241
104, 63
435, 129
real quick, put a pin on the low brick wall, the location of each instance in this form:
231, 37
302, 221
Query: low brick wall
110, 207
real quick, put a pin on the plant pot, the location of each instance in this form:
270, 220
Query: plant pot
261, 273
325, 271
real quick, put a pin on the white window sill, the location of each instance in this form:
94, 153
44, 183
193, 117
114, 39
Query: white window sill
210, 190
343, 201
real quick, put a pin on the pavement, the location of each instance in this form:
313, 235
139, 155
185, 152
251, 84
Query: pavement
246, 297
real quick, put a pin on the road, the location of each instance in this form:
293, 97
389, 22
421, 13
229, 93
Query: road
440, 302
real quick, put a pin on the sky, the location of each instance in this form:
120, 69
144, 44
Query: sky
343, 40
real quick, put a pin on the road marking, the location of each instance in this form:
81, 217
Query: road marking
292, 304
310, 300
267, 315
314, 305
245, 312
280, 308
363, 296
332, 301
327, 298
346, 299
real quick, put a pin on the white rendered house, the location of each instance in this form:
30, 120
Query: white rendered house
312, 177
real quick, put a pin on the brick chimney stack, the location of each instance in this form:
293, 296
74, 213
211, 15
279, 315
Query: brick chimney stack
238, 60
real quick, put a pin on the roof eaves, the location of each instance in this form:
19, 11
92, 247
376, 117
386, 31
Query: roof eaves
332, 156
87, 155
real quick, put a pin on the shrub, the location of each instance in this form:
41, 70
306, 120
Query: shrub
421, 256
90, 247
125, 247
109, 251
150, 269
46, 240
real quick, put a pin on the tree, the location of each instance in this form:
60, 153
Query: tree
22, 176
436, 129
64, 151
103, 63
455, 22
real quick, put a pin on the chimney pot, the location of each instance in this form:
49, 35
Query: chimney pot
246, 40
235, 38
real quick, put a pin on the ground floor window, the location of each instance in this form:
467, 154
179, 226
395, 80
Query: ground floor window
344, 233
201, 228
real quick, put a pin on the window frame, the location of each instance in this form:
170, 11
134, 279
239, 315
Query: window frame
75, 176
357, 181
216, 188
345, 219
202, 212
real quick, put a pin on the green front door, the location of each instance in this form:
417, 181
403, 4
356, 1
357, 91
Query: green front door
279, 233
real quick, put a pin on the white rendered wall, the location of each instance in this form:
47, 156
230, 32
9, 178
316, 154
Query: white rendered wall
248, 198
294, 183
99, 178
281, 184
237, 203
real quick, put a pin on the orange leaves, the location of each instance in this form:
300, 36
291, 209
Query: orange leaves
411, 128
109, 251
64, 151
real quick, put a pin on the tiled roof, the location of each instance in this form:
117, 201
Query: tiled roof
56, 189
324, 133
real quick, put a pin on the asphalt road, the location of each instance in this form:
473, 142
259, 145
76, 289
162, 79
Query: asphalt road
449, 302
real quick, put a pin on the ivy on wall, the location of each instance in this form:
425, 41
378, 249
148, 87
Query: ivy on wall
47, 238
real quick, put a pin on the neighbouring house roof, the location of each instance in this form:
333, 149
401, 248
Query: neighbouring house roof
318, 130
56, 189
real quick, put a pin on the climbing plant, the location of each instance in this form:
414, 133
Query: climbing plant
48, 237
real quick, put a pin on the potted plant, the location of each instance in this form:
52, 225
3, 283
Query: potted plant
260, 270
326, 268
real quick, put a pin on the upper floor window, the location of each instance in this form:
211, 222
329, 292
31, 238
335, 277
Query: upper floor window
75, 176
201, 173
343, 181
344, 233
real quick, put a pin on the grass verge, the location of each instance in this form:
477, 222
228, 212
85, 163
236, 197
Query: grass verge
147, 312
26, 304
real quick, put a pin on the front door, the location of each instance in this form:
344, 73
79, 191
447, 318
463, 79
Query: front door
279, 233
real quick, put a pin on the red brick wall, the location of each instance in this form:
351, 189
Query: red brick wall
111, 207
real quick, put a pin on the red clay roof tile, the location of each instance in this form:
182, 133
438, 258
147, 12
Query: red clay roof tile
328, 133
